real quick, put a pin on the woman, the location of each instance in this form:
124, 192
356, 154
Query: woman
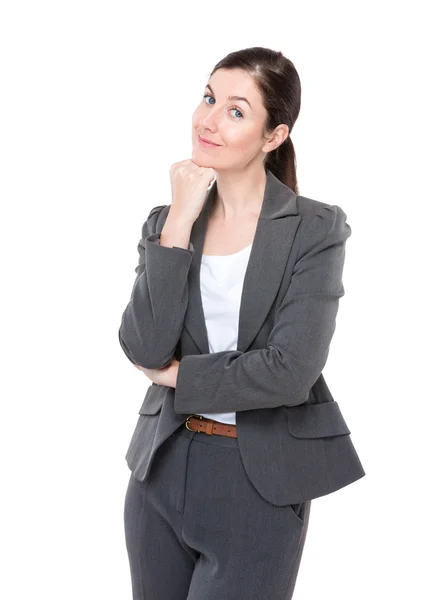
231, 317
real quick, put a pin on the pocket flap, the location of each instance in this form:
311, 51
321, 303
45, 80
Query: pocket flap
153, 400
316, 420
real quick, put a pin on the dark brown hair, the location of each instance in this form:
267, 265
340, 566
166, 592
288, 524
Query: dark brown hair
280, 87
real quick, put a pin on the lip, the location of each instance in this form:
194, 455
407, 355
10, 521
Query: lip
206, 143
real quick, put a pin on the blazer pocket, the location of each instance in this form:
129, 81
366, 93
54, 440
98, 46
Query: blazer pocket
298, 512
153, 400
316, 420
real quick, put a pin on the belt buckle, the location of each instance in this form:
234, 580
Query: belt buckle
187, 424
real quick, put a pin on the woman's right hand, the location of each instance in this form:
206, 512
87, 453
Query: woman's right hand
189, 184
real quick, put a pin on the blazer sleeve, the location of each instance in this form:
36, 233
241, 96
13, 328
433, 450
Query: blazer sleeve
298, 344
152, 322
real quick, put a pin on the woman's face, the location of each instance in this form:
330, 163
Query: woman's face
235, 125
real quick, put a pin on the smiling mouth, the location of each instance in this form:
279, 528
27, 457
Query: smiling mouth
207, 141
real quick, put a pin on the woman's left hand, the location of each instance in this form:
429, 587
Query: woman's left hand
166, 376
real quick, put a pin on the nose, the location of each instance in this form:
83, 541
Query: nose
210, 120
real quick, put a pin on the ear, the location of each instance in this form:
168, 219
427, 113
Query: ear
277, 137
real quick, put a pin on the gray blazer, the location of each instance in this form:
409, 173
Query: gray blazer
294, 442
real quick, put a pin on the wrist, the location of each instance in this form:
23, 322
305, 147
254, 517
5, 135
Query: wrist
179, 219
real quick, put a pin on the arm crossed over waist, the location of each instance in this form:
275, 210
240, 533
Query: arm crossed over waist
298, 345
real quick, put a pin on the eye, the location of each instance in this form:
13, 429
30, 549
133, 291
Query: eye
238, 110
233, 108
207, 96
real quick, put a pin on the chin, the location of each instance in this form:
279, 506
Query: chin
202, 160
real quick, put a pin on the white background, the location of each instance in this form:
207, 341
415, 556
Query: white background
96, 105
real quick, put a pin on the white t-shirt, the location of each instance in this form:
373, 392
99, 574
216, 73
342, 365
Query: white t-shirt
221, 286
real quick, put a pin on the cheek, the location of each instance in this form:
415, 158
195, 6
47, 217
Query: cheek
241, 141
195, 121
198, 116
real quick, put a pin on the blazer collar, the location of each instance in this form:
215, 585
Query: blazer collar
275, 232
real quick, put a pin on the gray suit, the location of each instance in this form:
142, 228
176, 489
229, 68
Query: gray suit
294, 442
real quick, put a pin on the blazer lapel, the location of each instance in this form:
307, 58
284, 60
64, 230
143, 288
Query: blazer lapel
276, 229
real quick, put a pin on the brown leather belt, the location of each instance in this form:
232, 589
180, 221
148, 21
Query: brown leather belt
209, 426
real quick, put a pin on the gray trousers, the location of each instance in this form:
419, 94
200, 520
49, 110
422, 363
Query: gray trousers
199, 530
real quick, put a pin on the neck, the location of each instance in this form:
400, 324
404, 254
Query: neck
238, 193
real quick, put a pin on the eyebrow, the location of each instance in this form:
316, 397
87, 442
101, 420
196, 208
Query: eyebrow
232, 97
